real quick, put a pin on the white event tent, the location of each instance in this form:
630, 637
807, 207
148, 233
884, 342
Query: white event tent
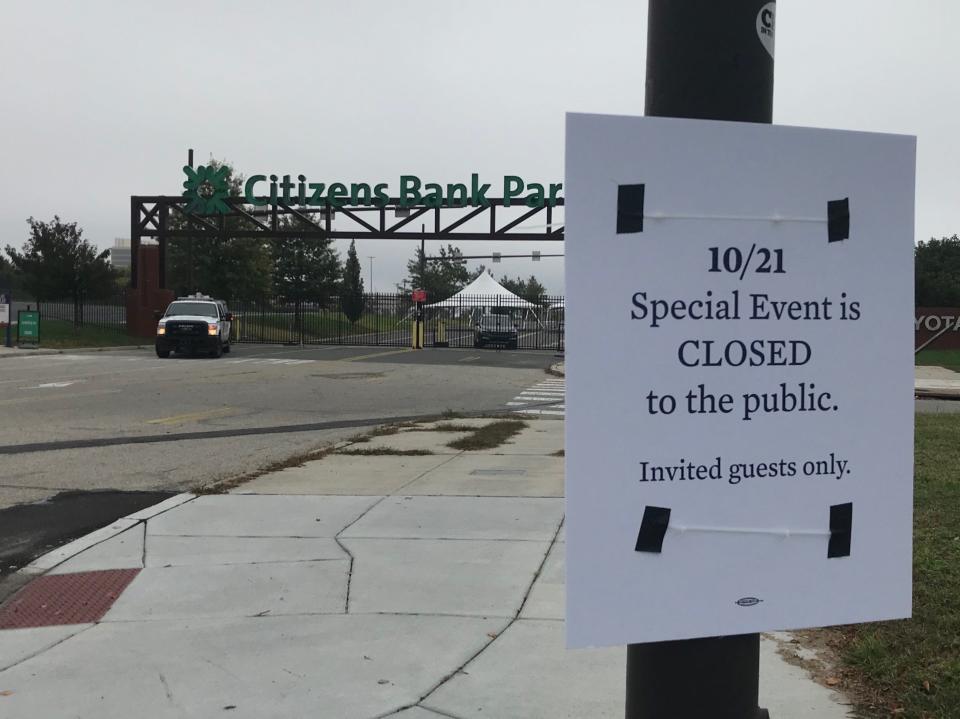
484, 291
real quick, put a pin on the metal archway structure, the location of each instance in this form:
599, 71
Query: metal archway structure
151, 215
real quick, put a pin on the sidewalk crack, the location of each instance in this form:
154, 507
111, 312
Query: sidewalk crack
336, 538
503, 631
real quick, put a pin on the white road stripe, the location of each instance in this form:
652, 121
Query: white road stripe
548, 394
53, 385
272, 361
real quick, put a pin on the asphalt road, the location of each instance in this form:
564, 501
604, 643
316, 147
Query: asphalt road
124, 422
254, 406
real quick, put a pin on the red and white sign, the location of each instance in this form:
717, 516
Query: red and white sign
419, 296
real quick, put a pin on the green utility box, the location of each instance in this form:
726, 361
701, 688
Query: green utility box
28, 327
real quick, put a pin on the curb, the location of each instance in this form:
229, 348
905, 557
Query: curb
557, 370
936, 394
107, 349
16, 352
52, 559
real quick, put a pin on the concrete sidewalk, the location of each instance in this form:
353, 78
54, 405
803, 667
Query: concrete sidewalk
930, 381
356, 586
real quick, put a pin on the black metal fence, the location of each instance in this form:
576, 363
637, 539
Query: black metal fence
387, 320
110, 312
382, 321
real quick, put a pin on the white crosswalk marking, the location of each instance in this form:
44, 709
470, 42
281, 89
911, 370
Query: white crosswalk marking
546, 398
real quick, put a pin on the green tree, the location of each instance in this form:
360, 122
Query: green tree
121, 277
534, 292
442, 276
529, 289
351, 288
517, 286
937, 269
229, 268
305, 269
57, 263
9, 277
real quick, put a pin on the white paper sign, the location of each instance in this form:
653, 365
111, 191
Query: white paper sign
4, 314
733, 365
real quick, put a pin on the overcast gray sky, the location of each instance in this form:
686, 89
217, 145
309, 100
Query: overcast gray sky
101, 99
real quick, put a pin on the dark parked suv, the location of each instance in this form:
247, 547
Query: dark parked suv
496, 330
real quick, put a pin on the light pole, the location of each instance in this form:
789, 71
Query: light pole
371, 258
705, 60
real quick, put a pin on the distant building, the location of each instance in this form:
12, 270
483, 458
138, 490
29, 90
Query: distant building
120, 253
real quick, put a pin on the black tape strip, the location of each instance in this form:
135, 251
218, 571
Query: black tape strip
841, 529
652, 529
629, 209
838, 220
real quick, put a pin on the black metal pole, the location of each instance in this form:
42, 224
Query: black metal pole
8, 299
710, 60
134, 241
714, 61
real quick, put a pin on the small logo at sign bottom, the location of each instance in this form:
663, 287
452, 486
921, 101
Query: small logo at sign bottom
748, 601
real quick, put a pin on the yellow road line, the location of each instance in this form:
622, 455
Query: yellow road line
375, 354
193, 416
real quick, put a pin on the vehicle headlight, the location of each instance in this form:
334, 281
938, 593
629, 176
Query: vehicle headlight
213, 329
161, 329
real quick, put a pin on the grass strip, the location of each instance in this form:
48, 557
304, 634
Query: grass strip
223, 486
911, 668
489, 436
60, 334
939, 358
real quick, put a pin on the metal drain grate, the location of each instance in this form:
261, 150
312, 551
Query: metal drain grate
56, 599
499, 472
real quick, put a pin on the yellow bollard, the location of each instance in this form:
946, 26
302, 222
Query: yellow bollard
417, 330
440, 335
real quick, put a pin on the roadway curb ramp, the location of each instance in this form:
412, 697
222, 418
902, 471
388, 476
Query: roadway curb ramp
51, 560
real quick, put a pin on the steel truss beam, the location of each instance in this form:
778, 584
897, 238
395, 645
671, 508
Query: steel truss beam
150, 218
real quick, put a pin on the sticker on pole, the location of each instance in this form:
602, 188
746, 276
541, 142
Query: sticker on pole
740, 378
767, 25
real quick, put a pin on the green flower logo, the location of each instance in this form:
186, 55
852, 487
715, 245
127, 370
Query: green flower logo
207, 188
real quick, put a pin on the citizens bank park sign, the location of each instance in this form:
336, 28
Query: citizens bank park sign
208, 188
